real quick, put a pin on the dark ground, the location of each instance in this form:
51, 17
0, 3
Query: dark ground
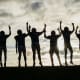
40, 73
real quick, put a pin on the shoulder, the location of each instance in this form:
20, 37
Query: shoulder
15, 37
24, 34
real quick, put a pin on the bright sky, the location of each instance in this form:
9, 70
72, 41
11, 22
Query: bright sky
37, 12
48, 11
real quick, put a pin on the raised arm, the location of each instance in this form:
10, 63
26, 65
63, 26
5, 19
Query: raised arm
39, 33
45, 31
61, 26
59, 32
73, 28
9, 30
16, 45
76, 30
48, 37
28, 27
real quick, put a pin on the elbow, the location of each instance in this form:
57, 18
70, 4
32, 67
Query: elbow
45, 36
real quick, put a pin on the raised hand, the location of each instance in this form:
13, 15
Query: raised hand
58, 29
60, 25
9, 27
60, 22
29, 26
77, 27
27, 23
44, 27
73, 24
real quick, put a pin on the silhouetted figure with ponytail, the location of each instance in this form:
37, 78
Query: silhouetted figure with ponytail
20, 46
67, 45
34, 35
3, 48
78, 35
53, 44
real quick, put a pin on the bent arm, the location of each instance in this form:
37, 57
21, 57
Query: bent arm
9, 31
39, 33
25, 35
73, 28
16, 46
76, 30
61, 26
45, 36
28, 27
59, 33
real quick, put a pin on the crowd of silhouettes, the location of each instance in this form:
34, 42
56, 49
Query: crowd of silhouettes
35, 45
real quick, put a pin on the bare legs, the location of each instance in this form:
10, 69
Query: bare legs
34, 55
71, 55
57, 54
19, 59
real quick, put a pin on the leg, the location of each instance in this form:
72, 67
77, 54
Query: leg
24, 54
39, 56
65, 55
71, 56
57, 53
19, 59
79, 44
1, 57
34, 54
5, 56
51, 57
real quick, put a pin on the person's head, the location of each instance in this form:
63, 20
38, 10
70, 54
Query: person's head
53, 33
19, 32
66, 29
33, 29
2, 33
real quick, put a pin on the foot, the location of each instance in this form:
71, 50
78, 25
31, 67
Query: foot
52, 65
60, 64
34, 65
4, 64
25, 65
19, 65
41, 64
66, 63
71, 62
1, 64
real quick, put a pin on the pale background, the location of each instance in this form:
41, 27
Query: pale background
37, 12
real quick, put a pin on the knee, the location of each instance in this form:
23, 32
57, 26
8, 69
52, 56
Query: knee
72, 51
25, 58
19, 58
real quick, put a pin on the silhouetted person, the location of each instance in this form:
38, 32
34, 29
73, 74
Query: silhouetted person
66, 35
53, 44
78, 35
20, 46
34, 35
3, 48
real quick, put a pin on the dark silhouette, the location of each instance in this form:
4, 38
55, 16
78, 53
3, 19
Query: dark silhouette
66, 35
20, 46
53, 44
3, 48
34, 35
78, 35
